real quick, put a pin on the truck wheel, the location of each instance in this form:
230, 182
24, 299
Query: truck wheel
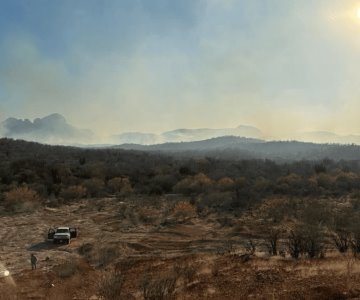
67, 242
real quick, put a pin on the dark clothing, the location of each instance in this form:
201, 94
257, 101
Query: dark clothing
33, 261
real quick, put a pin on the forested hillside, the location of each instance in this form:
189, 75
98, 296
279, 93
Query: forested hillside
238, 148
68, 173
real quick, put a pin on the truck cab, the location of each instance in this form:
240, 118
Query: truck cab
62, 234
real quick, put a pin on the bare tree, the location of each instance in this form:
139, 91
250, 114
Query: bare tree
342, 240
295, 243
306, 239
272, 239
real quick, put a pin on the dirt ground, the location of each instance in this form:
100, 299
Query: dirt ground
196, 258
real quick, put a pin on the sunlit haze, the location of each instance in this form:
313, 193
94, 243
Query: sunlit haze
149, 66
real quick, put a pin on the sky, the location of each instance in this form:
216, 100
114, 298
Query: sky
284, 66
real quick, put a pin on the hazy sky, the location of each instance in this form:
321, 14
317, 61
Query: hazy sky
152, 65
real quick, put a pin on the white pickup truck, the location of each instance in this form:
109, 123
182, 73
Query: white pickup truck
62, 234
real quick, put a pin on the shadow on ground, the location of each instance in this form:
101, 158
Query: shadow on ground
42, 246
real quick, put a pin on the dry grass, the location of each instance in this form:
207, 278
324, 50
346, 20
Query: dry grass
181, 258
66, 269
184, 210
160, 287
111, 285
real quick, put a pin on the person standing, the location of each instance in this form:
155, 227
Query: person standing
33, 259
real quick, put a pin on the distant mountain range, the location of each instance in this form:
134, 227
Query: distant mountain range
328, 137
52, 129
184, 135
219, 143
192, 135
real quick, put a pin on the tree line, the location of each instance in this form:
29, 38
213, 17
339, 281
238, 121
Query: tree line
65, 174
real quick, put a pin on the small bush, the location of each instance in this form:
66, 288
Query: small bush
94, 187
160, 288
66, 269
194, 184
186, 271
125, 265
120, 186
21, 199
73, 192
184, 210
130, 214
111, 285
107, 255
86, 250
225, 184
218, 201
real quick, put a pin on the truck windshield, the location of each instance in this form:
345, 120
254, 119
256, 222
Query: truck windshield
62, 231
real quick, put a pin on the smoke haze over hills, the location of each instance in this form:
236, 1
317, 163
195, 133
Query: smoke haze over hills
152, 66
184, 135
54, 129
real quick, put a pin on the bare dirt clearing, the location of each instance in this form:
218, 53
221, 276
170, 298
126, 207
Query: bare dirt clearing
146, 245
